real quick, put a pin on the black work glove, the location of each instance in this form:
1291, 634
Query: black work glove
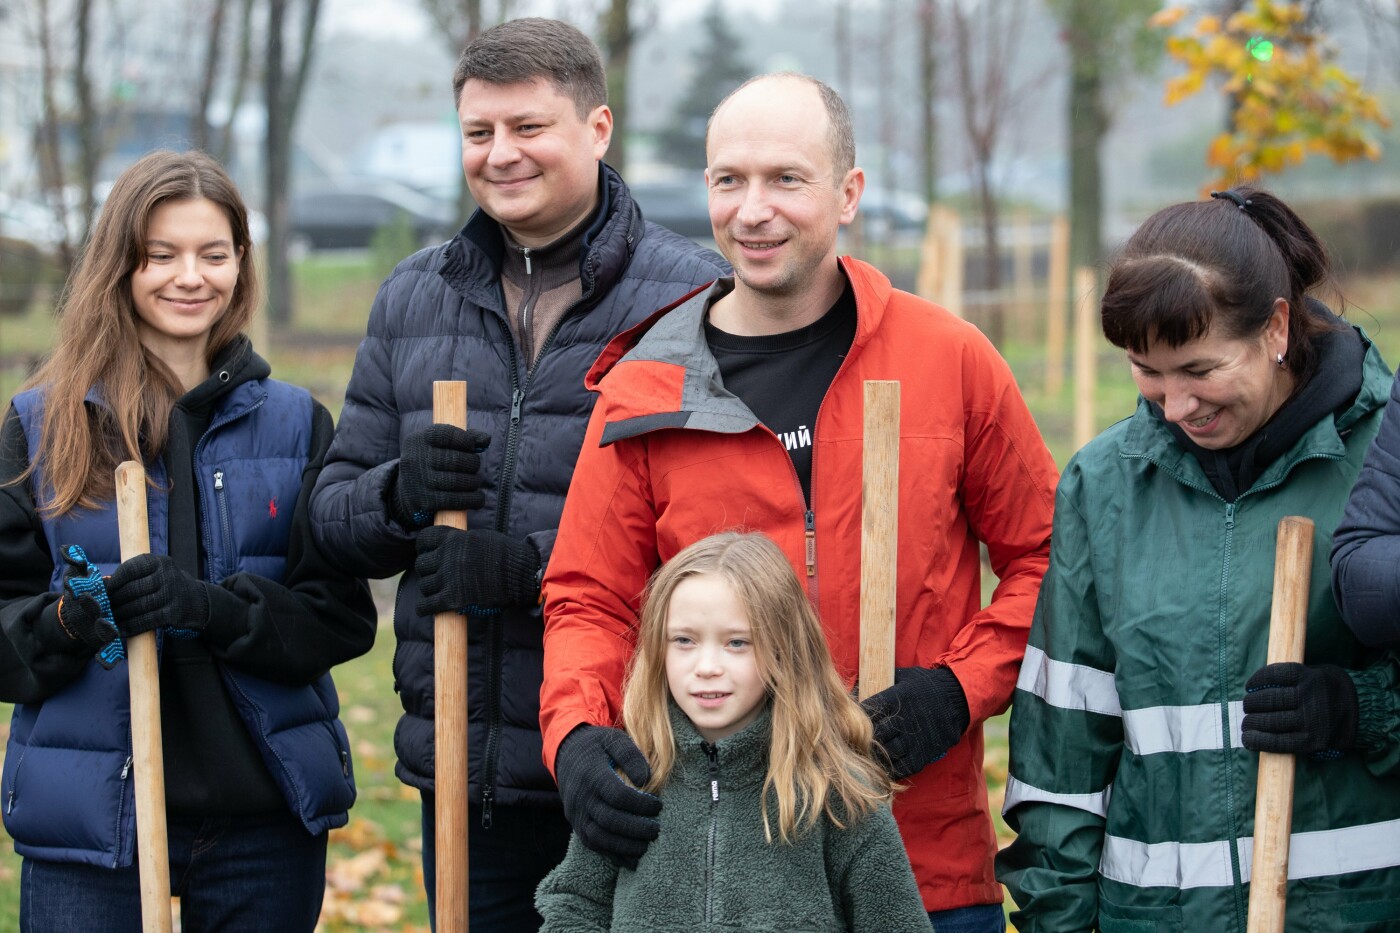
918, 719
84, 612
1299, 709
150, 592
438, 470
480, 569
608, 816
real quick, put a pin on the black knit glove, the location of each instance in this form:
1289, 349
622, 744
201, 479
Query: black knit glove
1300, 709
608, 816
438, 470
918, 719
84, 612
150, 592
481, 569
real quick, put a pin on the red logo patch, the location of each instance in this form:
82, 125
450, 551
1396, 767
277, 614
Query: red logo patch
271, 508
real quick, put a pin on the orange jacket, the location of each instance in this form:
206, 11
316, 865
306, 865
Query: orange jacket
668, 460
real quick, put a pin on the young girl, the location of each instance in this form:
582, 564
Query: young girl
775, 816
151, 365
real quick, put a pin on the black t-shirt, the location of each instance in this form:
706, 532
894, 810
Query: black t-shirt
784, 377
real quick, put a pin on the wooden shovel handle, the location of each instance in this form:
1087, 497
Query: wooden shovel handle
879, 540
147, 751
1273, 803
450, 715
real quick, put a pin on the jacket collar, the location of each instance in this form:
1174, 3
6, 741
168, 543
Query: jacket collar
742, 757
471, 261
1148, 438
661, 373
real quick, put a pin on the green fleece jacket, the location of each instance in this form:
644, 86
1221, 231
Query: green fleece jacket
711, 870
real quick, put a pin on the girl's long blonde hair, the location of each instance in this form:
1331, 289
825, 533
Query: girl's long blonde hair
820, 758
98, 344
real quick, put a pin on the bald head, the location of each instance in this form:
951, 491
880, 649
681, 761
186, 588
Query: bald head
789, 85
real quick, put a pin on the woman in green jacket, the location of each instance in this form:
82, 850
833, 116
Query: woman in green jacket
775, 815
1144, 699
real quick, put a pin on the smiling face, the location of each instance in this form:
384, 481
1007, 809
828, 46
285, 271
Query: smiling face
775, 202
189, 277
530, 160
710, 663
1218, 389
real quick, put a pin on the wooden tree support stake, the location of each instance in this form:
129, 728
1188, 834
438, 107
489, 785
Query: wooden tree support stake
1273, 803
450, 715
147, 751
879, 550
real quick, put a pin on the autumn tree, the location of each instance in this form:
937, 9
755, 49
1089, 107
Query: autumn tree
1292, 99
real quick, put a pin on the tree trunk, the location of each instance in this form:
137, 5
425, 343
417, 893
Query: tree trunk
89, 128
617, 49
928, 92
223, 149
282, 92
212, 49
1088, 124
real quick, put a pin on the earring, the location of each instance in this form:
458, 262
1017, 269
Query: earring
1279, 359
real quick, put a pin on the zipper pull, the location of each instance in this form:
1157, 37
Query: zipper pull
1230, 515
525, 251
10, 803
811, 520
517, 398
486, 794
126, 768
344, 762
218, 479
713, 754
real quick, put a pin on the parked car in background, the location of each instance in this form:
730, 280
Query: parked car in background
346, 213
682, 206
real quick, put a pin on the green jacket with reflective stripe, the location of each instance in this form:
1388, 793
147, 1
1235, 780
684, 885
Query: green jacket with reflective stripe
1131, 792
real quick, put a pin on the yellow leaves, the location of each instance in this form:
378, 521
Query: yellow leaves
1167, 17
1291, 100
362, 892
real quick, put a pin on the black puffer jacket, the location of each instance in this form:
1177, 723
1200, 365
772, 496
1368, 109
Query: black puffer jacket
441, 315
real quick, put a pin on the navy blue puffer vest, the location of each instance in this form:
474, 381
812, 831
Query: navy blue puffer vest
66, 787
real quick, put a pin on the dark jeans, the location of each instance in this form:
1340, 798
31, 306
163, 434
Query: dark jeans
507, 862
980, 918
231, 875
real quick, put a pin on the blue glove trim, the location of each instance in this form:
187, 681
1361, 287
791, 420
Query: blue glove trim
421, 518
93, 585
480, 612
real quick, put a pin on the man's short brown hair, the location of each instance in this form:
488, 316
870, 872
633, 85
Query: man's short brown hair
523, 50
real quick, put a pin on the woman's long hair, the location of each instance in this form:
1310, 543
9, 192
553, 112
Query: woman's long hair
820, 758
98, 346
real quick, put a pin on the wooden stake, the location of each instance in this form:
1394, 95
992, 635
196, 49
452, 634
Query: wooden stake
1022, 258
952, 279
1273, 802
450, 715
147, 750
1086, 331
879, 545
1055, 306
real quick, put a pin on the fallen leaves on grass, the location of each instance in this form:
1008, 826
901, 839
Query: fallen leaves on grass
360, 894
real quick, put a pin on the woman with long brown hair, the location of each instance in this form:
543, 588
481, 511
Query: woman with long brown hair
151, 365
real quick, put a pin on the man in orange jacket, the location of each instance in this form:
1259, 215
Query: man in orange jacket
741, 407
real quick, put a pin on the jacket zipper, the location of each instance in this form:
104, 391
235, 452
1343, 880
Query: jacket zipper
711, 844
1224, 676
199, 478
225, 528
121, 804
14, 785
281, 763
495, 633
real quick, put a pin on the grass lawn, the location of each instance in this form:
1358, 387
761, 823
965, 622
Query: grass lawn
374, 877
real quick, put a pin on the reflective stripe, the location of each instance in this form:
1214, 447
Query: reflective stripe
1018, 792
1319, 854
1180, 729
1068, 686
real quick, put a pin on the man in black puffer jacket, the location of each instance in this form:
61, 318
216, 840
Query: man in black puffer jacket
557, 260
